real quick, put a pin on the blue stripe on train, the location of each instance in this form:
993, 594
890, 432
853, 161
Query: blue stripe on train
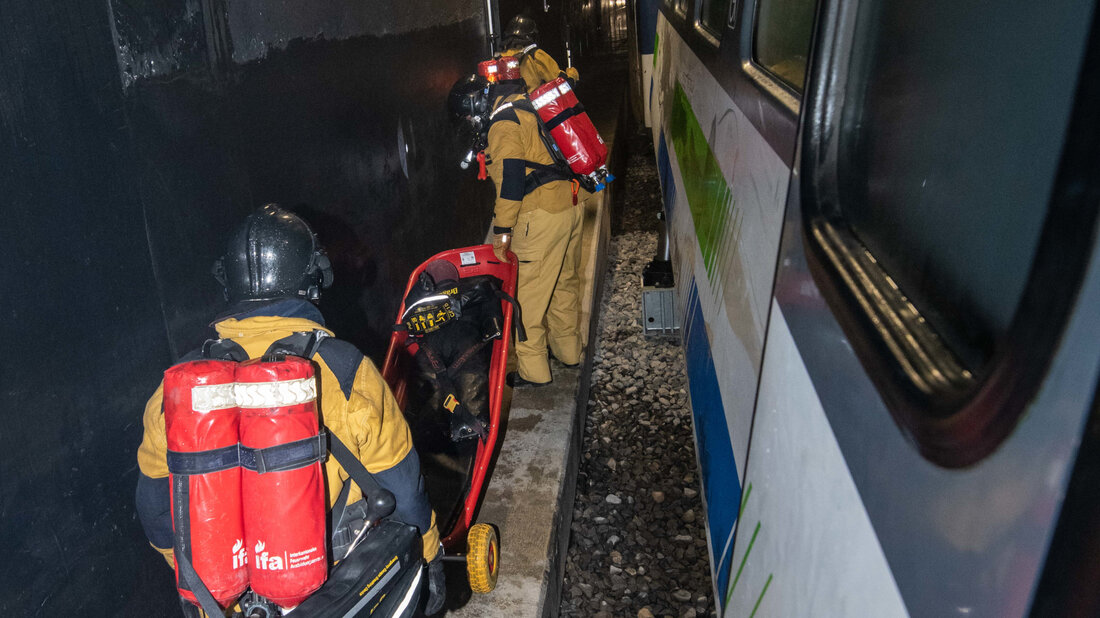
721, 484
664, 173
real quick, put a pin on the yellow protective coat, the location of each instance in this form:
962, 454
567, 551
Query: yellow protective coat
545, 238
538, 67
368, 422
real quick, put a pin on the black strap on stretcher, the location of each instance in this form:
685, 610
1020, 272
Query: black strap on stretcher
517, 314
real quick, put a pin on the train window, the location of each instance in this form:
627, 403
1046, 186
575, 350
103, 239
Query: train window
714, 16
943, 228
781, 42
681, 7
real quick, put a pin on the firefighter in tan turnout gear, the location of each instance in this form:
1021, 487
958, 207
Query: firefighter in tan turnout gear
536, 216
535, 65
273, 269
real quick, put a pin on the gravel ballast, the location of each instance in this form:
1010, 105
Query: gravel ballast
637, 543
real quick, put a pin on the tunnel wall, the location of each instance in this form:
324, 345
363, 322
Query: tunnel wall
133, 136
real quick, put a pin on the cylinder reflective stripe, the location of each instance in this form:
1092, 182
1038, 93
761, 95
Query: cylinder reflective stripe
201, 426
570, 126
284, 511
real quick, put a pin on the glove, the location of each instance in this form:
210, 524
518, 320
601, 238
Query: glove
502, 244
437, 585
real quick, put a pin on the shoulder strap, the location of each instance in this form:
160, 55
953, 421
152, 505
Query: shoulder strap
380, 502
541, 174
527, 51
341, 357
195, 583
304, 344
224, 349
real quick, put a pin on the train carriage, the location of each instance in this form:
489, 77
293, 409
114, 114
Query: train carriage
882, 220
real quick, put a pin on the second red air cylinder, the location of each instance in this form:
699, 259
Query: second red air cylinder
282, 485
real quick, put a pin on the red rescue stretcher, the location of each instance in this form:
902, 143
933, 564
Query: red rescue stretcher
455, 473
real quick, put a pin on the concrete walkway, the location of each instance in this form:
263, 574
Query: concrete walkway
530, 494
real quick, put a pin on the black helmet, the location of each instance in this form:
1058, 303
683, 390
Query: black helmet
521, 31
274, 254
469, 97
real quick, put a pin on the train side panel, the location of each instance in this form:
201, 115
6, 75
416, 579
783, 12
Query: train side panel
840, 508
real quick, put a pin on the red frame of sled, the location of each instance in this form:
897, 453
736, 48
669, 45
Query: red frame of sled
399, 360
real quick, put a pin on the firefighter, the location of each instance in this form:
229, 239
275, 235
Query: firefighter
274, 268
535, 215
536, 66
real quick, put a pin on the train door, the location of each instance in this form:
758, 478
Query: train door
933, 346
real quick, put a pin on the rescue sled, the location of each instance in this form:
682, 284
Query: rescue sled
455, 471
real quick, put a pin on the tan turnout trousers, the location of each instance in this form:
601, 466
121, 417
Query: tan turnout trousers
548, 288
546, 228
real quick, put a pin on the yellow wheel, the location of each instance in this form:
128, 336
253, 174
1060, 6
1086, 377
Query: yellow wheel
482, 557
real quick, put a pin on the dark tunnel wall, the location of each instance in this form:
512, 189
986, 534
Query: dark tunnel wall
579, 25
133, 135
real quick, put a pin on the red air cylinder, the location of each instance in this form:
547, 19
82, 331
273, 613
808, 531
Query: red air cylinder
503, 68
201, 423
508, 68
570, 126
282, 488
489, 70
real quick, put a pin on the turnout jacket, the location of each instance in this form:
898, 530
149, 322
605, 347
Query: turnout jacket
357, 406
538, 67
514, 142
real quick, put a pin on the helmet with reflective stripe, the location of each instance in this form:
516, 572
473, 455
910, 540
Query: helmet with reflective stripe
273, 254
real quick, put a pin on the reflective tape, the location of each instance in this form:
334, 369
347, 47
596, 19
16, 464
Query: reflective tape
275, 394
213, 397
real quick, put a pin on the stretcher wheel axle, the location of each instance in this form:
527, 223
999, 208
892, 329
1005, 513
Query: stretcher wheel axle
482, 558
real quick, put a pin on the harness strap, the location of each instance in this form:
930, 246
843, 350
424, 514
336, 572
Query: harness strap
380, 502
541, 175
339, 509
467, 355
204, 462
501, 108
289, 456
195, 583
224, 349
304, 344
433, 358
564, 115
